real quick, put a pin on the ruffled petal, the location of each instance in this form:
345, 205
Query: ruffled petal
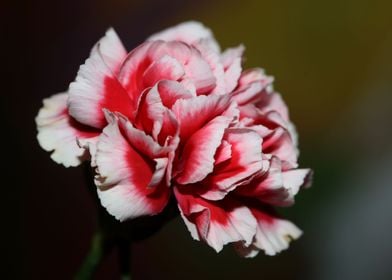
155, 118
200, 73
232, 59
194, 113
130, 184
197, 158
217, 223
159, 60
273, 234
96, 86
245, 162
295, 179
171, 91
58, 132
273, 102
268, 187
280, 144
276, 186
189, 32
202, 121
252, 85
165, 68
213, 58
90, 145
112, 50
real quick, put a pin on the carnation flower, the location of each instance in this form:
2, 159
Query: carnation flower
178, 117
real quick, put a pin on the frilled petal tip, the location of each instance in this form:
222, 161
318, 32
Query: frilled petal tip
96, 85
190, 32
215, 223
59, 132
273, 235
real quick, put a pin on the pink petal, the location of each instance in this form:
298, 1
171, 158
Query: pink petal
96, 86
112, 50
253, 84
273, 234
130, 183
251, 75
214, 61
154, 118
197, 158
192, 114
273, 102
142, 142
279, 143
232, 59
145, 64
58, 132
223, 153
217, 223
280, 136
165, 68
147, 145
245, 163
269, 187
294, 179
199, 72
133, 68
200, 136
276, 187
171, 91
189, 32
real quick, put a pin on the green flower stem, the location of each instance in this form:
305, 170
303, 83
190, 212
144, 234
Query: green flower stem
93, 258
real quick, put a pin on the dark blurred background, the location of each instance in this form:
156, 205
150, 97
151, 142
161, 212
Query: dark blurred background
333, 64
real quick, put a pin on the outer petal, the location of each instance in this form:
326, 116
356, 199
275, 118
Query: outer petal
58, 132
216, 223
276, 187
279, 143
295, 179
273, 234
279, 136
112, 50
96, 86
252, 85
273, 102
189, 32
268, 187
90, 145
128, 181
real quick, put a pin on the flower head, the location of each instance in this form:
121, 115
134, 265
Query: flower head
176, 116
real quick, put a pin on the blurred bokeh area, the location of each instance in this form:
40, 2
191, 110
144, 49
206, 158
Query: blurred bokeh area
332, 62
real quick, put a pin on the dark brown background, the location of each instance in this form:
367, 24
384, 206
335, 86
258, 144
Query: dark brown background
333, 64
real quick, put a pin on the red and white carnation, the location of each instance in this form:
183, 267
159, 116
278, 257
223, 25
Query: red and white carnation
176, 116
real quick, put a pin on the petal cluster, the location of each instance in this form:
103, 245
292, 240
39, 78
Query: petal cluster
178, 117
